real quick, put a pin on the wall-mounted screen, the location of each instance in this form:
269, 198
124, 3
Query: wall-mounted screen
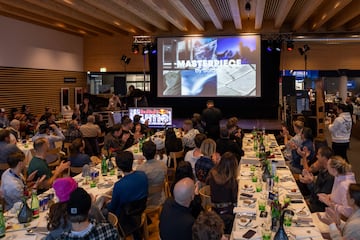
226, 66
157, 116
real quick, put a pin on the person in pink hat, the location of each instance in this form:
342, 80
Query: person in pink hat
58, 222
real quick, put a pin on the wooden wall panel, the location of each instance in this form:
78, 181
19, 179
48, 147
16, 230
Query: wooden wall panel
323, 57
36, 88
106, 52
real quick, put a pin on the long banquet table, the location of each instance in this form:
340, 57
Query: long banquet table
247, 213
38, 226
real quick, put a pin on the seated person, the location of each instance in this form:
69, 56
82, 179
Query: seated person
225, 144
14, 129
114, 102
160, 150
322, 183
155, 171
78, 208
193, 155
338, 229
178, 208
189, 134
5, 146
208, 226
337, 200
72, 132
172, 143
130, 188
115, 141
58, 217
306, 146
4, 121
127, 126
207, 161
77, 156
90, 129
235, 132
38, 163
292, 142
13, 182
44, 132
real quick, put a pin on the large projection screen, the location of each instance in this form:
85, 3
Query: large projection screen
226, 66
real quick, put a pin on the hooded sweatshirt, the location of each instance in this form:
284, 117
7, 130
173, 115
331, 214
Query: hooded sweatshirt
340, 129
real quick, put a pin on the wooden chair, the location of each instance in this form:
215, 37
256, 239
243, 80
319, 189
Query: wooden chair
73, 171
153, 212
112, 218
205, 195
67, 148
54, 164
174, 156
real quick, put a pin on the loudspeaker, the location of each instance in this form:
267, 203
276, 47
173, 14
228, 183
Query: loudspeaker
120, 85
288, 86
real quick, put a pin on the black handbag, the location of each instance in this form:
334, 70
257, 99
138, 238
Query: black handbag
25, 214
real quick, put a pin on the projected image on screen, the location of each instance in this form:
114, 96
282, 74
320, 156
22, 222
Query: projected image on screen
209, 66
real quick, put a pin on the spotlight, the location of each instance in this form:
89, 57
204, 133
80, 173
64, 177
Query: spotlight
153, 49
278, 45
290, 45
145, 50
135, 48
269, 46
125, 59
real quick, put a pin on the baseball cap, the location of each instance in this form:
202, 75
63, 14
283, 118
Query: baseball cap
79, 202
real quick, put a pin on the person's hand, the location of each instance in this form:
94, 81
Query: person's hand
325, 198
125, 137
215, 157
197, 187
325, 218
306, 177
31, 176
63, 166
333, 214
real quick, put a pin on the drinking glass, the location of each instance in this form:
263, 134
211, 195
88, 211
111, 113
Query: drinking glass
288, 219
254, 178
252, 167
266, 234
262, 204
259, 187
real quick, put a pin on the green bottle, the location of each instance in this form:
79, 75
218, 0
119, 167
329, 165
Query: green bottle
2, 223
104, 167
35, 206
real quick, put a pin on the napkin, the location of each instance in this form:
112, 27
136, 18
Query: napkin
238, 235
305, 233
245, 210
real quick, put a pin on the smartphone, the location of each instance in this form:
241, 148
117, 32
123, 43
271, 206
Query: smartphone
249, 234
246, 195
297, 201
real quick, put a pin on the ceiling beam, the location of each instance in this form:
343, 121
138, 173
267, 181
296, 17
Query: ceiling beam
354, 24
76, 10
114, 14
213, 12
235, 13
348, 13
305, 12
142, 11
168, 12
259, 14
26, 16
327, 12
282, 12
187, 10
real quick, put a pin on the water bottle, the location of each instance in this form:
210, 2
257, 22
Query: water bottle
35, 205
141, 141
104, 167
111, 167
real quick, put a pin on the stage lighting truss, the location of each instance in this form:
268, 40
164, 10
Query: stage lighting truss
146, 43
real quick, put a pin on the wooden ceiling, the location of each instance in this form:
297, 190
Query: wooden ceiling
165, 17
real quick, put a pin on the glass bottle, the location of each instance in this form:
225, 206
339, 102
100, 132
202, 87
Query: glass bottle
141, 141
104, 167
111, 167
35, 206
2, 222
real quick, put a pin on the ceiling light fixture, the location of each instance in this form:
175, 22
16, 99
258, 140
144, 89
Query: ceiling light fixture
248, 8
290, 45
125, 59
135, 48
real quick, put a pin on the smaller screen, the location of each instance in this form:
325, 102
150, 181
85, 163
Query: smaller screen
157, 116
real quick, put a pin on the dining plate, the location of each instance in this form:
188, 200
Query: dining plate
246, 173
303, 213
244, 222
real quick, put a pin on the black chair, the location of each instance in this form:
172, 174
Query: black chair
91, 146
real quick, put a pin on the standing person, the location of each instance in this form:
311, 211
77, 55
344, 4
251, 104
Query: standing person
85, 110
340, 130
211, 116
207, 161
193, 155
224, 188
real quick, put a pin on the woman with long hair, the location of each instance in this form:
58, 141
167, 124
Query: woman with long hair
77, 157
341, 170
172, 143
224, 188
350, 229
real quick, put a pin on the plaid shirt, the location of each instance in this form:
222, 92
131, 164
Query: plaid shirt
99, 231
71, 134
